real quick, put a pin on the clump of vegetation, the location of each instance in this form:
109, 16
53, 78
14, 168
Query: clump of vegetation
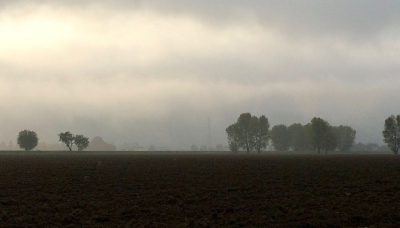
252, 133
391, 133
27, 140
69, 140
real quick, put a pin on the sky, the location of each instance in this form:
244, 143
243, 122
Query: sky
153, 72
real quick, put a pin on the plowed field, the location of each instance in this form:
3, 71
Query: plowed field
199, 191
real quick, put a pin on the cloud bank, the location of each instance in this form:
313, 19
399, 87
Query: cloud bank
153, 72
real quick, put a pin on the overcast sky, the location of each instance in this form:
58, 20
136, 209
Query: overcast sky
152, 72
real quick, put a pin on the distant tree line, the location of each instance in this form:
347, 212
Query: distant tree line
28, 140
317, 135
252, 133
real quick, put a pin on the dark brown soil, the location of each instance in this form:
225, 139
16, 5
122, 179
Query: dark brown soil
199, 191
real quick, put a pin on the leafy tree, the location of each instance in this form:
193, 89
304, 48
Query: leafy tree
280, 137
203, 148
248, 133
259, 131
233, 137
27, 140
299, 138
246, 138
68, 139
345, 136
391, 133
322, 135
81, 142
329, 140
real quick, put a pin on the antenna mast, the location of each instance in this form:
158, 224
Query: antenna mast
209, 133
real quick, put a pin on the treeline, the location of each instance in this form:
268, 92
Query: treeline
28, 140
251, 133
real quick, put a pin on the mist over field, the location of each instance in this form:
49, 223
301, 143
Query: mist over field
153, 72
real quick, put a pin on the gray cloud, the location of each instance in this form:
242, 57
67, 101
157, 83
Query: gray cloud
153, 71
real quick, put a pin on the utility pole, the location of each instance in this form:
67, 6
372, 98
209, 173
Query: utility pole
209, 133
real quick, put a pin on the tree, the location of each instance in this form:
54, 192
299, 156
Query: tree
298, 137
345, 136
68, 139
248, 133
203, 148
322, 135
391, 134
81, 142
233, 137
259, 132
329, 141
280, 137
27, 140
246, 137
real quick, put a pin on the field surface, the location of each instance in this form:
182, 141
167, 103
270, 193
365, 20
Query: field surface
199, 191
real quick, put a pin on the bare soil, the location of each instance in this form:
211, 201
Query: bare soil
199, 191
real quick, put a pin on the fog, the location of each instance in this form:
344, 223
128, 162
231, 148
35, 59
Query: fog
154, 72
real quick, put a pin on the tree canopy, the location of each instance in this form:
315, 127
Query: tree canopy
299, 137
322, 135
68, 139
280, 137
81, 142
27, 140
249, 133
345, 136
391, 133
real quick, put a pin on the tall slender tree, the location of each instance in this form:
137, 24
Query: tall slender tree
391, 133
233, 137
260, 132
246, 137
329, 141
